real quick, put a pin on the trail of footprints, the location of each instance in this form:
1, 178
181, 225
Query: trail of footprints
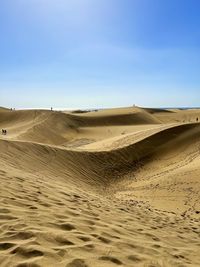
78, 230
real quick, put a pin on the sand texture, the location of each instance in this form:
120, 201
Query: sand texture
116, 187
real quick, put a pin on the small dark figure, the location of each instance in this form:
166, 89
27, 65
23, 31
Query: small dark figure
51, 109
4, 132
197, 119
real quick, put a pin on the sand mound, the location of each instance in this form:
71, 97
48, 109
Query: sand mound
123, 116
131, 199
38, 126
58, 128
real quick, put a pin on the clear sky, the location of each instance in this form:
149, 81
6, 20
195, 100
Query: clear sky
99, 53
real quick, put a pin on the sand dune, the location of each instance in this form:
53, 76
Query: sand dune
58, 128
116, 187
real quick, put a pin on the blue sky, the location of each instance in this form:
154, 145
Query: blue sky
99, 53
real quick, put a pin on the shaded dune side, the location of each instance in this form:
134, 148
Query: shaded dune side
95, 169
157, 110
112, 165
135, 117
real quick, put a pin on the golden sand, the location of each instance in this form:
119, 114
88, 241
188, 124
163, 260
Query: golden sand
117, 187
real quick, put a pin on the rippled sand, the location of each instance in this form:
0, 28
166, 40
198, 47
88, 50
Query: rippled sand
116, 187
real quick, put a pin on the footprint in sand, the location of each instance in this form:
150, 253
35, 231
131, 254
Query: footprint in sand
6, 246
27, 252
111, 259
77, 263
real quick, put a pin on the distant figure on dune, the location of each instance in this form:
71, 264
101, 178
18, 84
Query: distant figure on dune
197, 119
4, 132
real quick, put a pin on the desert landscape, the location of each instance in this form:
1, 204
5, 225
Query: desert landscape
111, 187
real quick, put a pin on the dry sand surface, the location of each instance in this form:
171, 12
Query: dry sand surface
118, 187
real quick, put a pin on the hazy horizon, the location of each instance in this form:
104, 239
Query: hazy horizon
99, 108
99, 54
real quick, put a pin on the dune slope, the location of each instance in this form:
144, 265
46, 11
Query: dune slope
129, 200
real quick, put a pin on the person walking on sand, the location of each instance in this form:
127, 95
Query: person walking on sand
197, 119
3, 132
